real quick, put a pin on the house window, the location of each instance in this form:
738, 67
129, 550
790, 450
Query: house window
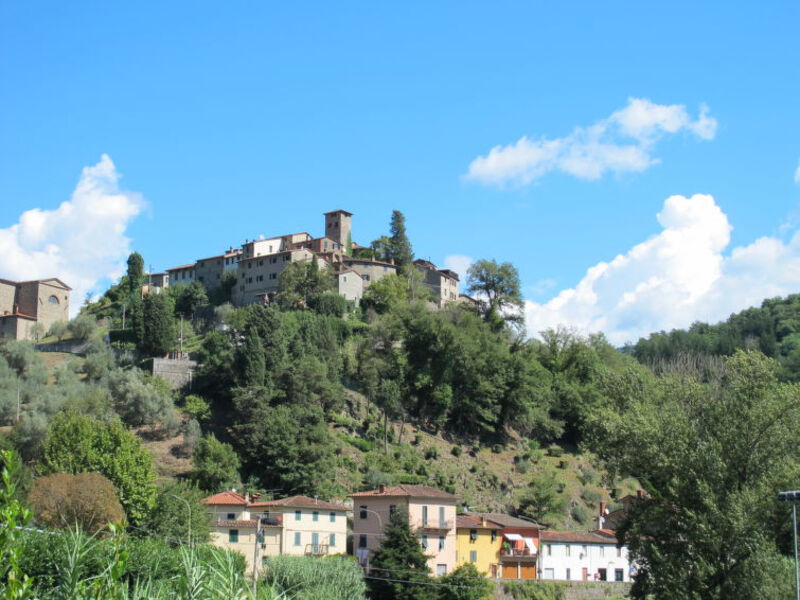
473, 556
333, 517
494, 535
261, 263
53, 300
315, 539
441, 570
273, 275
549, 550
603, 574
392, 509
362, 541
297, 514
362, 514
365, 277
230, 516
274, 260
285, 257
424, 515
473, 535
619, 575
315, 516
296, 538
567, 550
441, 542
424, 541
441, 517
233, 536
602, 551
569, 575
249, 265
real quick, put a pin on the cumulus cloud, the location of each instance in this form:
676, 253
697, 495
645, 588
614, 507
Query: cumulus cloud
459, 263
82, 242
621, 143
679, 276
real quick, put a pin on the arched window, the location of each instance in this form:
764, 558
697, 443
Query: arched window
53, 299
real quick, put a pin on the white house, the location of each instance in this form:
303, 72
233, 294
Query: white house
583, 556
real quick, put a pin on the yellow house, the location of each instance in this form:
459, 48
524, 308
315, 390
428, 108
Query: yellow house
478, 542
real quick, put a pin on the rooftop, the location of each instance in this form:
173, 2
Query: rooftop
579, 537
410, 491
508, 521
299, 502
227, 497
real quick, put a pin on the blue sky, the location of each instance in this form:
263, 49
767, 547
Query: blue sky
232, 120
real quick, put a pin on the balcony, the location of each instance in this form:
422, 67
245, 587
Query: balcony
432, 524
316, 549
524, 554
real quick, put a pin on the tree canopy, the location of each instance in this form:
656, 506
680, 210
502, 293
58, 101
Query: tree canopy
496, 288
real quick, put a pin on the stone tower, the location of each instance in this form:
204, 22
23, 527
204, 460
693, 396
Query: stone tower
338, 226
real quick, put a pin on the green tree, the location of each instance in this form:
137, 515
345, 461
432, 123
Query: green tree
399, 247
379, 249
302, 282
215, 463
465, 583
497, 290
384, 294
251, 360
14, 583
400, 557
712, 457
542, 501
179, 515
188, 298
135, 272
78, 444
158, 325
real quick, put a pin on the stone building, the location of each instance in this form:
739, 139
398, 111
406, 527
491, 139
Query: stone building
23, 304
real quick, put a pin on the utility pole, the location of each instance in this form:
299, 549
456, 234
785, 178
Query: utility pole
793, 496
255, 555
181, 338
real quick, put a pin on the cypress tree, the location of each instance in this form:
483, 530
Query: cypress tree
399, 245
158, 325
252, 360
401, 557
135, 272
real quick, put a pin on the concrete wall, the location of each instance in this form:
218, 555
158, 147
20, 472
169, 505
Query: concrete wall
350, 285
53, 304
556, 557
306, 527
8, 292
178, 373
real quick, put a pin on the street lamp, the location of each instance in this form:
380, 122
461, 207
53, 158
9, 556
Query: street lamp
793, 497
189, 524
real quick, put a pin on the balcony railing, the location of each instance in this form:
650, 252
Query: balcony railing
316, 549
517, 553
433, 524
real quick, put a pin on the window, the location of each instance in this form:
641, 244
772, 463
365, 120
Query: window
249, 280
230, 516
569, 575
549, 574
603, 574
285, 257
473, 535
233, 536
494, 535
549, 550
333, 517
441, 570
567, 550
332, 539
362, 541
297, 514
296, 538
441, 542
273, 275
619, 552
424, 541
249, 265
473, 556
619, 575
315, 539
274, 260
315, 516
365, 277
424, 515
362, 514
441, 517
53, 299
602, 551
261, 263
392, 509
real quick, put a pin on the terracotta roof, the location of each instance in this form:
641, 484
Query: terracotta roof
19, 315
412, 491
474, 522
191, 266
579, 537
333, 212
226, 498
299, 502
508, 521
235, 523
425, 264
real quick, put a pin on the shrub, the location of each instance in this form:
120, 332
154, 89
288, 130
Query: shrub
497, 448
216, 465
197, 407
86, 500
555, 450
579, 513
591, 495
431, 453
455, 451
82, 327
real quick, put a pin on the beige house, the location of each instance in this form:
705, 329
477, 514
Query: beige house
368, 269
350, 285
259, 276
182, 275
431, 512
442, 283
24, 304
297, 526
209, 271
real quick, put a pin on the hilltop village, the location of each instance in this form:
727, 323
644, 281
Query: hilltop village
258, 265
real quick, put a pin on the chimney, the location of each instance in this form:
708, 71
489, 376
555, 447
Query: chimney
603, 506
640, 493
601, 518
382, 488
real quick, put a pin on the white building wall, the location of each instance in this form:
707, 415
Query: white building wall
558, 557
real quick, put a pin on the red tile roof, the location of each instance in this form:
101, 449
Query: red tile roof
411, 491
299, 502
474, 522
579, 537
226, 498
235, 523
507, 521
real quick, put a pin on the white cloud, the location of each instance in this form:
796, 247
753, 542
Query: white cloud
82, 242
681, 275
459, 263
797, 174
620, 143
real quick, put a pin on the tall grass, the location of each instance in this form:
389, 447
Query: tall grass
312, 578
